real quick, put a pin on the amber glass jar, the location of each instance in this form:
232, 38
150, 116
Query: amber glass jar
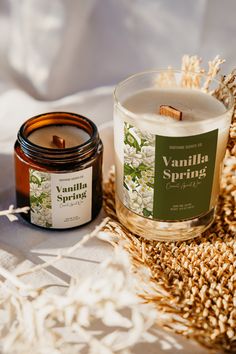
62, 185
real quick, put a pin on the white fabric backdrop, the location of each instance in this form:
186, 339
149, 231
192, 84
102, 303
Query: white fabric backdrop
53, 48
58, 47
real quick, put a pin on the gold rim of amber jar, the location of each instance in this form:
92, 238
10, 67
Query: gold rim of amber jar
55, 155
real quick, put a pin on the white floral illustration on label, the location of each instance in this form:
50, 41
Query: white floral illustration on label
139, 162
40, 198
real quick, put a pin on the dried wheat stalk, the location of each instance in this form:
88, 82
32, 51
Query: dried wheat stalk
191, 71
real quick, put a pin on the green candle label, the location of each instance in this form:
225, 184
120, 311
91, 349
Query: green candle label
168, 178
60, 200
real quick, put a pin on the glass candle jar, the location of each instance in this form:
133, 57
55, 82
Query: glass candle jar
58, 170
168, 167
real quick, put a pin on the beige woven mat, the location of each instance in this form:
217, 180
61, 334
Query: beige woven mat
198, 276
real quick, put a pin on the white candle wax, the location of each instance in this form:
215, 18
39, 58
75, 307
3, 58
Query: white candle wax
198, 110
194, 104
72, 135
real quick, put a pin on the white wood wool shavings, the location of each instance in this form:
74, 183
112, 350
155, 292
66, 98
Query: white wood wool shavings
101, 314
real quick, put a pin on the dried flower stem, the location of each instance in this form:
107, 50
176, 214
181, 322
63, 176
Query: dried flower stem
70, 250
214, 68
11, 211
13, 279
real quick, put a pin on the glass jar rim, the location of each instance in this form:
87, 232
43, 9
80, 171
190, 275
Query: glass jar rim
67, 118
133, 115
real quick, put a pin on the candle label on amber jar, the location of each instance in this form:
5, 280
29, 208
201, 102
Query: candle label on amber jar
60, 200
168, 178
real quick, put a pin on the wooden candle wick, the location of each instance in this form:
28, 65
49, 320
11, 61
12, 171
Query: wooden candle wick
58, 141
170, 112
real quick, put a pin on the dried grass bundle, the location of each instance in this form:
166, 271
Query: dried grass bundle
195, 280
